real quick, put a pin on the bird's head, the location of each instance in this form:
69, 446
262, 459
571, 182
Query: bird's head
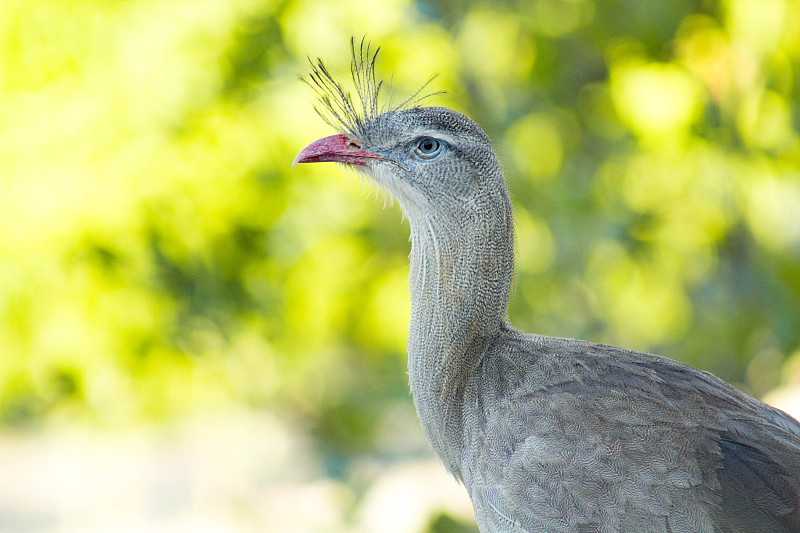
441, 168
435, 161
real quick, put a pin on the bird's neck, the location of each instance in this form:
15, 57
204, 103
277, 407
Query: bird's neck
460, 277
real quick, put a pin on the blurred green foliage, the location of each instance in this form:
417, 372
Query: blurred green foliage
160, 255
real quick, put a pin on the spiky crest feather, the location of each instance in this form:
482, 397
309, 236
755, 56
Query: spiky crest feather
337, 107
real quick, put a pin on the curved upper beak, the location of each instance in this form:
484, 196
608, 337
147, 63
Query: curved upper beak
336, 148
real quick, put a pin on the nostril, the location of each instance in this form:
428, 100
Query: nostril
354, 145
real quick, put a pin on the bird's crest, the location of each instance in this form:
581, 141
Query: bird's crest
336, 105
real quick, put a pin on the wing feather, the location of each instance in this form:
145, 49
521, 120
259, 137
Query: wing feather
587, 437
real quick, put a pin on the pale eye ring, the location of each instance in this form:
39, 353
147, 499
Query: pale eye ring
428, 147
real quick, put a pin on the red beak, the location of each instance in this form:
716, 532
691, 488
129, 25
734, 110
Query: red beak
336, 148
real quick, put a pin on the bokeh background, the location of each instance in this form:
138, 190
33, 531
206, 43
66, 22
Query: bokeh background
195, 336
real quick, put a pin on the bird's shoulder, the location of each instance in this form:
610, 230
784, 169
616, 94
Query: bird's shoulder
588, 434
522, 369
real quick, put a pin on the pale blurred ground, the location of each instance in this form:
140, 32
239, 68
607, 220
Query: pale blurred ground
232, 471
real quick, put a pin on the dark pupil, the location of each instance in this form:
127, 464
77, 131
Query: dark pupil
428, 145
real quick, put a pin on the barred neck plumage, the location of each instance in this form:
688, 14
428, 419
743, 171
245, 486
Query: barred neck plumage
459, 280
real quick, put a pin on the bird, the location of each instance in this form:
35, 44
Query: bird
546, 434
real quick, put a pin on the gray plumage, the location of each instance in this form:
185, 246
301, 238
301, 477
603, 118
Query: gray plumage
547, 434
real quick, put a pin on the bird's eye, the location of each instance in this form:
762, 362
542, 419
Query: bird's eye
428, 147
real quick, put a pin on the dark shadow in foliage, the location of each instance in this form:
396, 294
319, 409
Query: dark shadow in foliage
444, 523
